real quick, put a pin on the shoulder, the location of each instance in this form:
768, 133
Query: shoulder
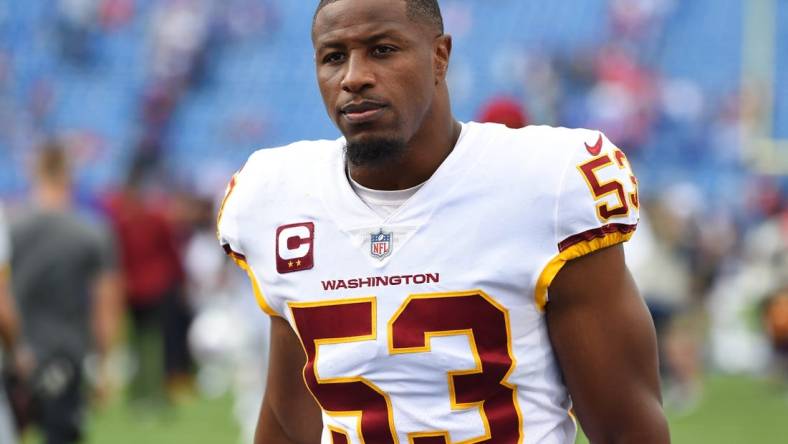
579, 172
290, 165
595, 195
277, 174
538, 151
539, 159
302, 153
547, 148
533, 133
598, 194
25, 224
271, 181
84, 227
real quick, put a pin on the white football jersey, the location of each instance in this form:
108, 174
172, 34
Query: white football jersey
428, 326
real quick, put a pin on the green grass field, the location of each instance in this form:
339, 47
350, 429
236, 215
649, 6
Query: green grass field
737, 411
196, 421
734, 411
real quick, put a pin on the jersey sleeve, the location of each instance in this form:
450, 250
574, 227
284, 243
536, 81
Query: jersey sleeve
597, 204
230, 235
227, 221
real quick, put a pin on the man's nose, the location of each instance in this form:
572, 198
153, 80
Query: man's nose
358, 75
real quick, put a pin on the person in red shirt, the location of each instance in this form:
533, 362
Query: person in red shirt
153, 276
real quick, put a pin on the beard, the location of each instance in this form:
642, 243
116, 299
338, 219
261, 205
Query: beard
375, 153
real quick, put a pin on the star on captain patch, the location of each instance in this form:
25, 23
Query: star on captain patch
380, 244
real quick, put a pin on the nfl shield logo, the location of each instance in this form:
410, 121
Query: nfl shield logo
380, 244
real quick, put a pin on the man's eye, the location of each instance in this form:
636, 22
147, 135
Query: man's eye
383, 50
333, 57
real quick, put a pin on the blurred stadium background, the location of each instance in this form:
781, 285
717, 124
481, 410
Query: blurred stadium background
695, 92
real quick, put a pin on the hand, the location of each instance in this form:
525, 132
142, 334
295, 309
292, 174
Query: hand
24, 361
102, 385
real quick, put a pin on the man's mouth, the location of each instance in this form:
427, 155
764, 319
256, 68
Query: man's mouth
362, 112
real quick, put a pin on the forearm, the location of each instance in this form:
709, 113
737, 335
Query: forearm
9, 322
646, 425
617, 398
9, 327
106, 312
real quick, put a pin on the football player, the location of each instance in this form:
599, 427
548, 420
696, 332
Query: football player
431, 281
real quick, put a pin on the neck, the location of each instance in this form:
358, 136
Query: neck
52, 196
426, 151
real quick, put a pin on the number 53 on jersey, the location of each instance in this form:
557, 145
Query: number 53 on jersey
418, 319
622, 202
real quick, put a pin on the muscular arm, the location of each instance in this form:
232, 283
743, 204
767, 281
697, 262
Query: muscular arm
107, 310
289, 414
605, 343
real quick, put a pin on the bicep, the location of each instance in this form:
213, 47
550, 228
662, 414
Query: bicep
289, 413
605, 343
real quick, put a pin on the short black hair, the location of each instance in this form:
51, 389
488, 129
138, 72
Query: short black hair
426, 11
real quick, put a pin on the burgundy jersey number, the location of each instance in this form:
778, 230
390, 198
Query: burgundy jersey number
612, 187
473, 313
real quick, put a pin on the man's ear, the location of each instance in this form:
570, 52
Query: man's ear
442, 56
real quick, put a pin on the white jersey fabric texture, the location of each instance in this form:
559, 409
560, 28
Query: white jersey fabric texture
426, 325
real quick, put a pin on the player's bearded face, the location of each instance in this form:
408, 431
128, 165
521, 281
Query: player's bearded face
375, 73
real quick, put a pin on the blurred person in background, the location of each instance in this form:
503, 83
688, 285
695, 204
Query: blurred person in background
504, 110
229, 336
9, 334
182, 214
750, 282
662, 269
776, 321
153, 280
767, 247
65, 283
76, 28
